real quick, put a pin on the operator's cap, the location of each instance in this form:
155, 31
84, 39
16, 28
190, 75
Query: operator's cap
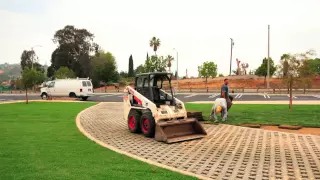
218, 109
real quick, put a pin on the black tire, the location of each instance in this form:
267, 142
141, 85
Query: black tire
72, 95
44, 95
84, 98
147, 124
134, 121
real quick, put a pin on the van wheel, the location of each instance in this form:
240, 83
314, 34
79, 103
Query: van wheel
72, 95
44, 96
147, 124
84, 98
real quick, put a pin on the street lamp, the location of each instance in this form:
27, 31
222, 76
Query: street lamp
32, 50
177, 69
232, 44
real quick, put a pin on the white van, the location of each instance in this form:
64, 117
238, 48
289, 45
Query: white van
77, 88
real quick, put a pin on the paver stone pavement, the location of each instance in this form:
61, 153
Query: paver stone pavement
227, 152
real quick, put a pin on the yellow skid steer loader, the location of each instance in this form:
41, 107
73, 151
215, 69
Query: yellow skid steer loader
152, 109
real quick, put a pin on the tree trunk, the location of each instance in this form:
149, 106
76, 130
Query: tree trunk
264, 82
27, 96
291, 81
206, 82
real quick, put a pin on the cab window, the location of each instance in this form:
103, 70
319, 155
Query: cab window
140, 81
51, 85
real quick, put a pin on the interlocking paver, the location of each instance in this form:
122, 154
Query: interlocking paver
227, 152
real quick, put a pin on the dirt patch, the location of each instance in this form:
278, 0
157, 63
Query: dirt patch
312, 131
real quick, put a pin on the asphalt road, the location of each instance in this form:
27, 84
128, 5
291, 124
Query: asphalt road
117, 97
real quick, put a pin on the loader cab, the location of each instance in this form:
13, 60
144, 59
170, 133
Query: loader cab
156, 87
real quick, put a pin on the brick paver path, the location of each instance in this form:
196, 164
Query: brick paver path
228, 152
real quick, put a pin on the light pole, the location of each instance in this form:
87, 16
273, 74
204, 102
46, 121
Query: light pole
33, 51
232, 43
268, 73
177, 69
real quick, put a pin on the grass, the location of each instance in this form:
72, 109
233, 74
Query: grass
303, 115
41, 141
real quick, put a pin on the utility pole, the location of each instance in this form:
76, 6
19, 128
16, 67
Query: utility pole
177, 69
268, 72
34, 52
232, 43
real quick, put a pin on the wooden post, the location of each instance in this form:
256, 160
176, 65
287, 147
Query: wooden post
291, 82
27, 96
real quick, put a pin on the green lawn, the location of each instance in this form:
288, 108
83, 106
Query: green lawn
41, 141
303, 115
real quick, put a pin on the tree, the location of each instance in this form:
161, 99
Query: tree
29, 59
63, 73
130, 70
104, 68
123, 74
31, 77
155, 43
296, 70
139, 69
208, 69
75, 50
168, 59
314, 65
220, 75
155, 64
263, 69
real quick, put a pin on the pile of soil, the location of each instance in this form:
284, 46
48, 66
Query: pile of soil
303, 130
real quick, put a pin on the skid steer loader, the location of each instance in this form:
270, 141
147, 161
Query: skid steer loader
151, 108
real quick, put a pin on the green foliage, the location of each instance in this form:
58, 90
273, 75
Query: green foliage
31, 77
123, 74
29, 60
263, 68
155, 64
131, 70
75, 50
208, 69
155, 43
314, 65
220, 75
139, 69
104, 68
63, 73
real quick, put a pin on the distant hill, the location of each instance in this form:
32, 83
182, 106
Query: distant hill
11, 71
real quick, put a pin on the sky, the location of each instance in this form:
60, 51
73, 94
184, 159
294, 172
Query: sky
199, 30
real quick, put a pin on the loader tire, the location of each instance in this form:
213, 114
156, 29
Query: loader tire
147, 124
134, 121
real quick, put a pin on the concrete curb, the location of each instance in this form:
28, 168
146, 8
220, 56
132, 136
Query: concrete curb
23, 101
81, 129
262, 102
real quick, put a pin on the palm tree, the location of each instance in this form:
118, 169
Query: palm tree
168, 59
155, 43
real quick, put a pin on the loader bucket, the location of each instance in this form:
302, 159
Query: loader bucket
179, 130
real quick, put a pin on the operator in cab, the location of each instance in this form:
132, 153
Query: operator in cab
220, 106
